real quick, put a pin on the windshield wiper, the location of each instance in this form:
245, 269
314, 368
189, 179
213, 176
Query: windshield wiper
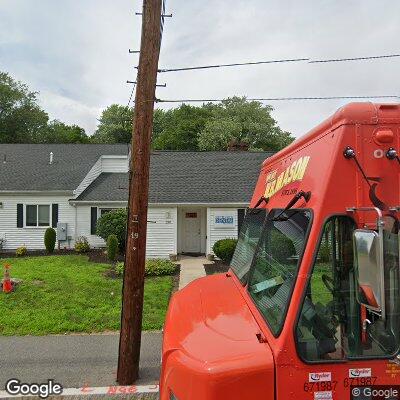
255, 209
296, 198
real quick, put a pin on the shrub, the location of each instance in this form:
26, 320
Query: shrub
119, 268
281, 247
113, 223
112, 247
224, 249
159, 267
154, 267
82, 245
21, 251
50, 237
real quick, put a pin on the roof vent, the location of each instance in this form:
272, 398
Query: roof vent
51, 158
5, 159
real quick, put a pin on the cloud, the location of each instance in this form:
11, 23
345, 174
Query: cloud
76, 53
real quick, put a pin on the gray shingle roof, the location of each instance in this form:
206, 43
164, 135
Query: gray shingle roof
175, 177
27, 165
188, 177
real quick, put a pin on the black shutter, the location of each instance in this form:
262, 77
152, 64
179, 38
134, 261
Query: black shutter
54, 215
241, 214
20, 215
93, 220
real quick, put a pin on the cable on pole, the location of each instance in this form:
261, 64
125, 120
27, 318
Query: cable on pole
290, 60
354, 59
280, 99
232, 65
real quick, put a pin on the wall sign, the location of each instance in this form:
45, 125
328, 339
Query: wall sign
224, 220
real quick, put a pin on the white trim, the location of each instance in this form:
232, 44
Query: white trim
37, 192
208, 247
85, 202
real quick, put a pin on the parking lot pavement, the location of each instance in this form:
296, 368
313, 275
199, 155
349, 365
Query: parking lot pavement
75, 361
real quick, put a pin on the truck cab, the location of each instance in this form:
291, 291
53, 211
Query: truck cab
310, 308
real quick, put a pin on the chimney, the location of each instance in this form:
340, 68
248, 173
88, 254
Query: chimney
51, 158
236, 145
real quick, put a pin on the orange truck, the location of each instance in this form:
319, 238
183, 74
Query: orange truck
310, 307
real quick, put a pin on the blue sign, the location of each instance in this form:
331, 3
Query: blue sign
224, 220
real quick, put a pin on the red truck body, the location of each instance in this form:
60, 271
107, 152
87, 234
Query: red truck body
220, 340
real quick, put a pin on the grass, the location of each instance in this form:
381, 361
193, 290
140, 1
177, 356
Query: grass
65, 294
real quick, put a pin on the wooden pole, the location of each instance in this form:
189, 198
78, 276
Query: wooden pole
135, 256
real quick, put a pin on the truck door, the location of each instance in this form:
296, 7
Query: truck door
341, 346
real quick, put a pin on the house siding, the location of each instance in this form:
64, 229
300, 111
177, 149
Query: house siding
161, 228
216, 233
32, 237
114, 164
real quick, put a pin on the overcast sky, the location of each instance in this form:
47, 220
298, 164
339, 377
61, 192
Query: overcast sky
75, 52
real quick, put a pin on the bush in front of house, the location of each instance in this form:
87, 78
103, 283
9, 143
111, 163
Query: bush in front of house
21, 251
159, 267
154, 267
82, 245
281, 247
224, 249
112, 247
113, 223
50, 237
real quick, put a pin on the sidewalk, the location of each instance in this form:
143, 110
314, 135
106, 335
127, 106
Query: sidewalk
191, 269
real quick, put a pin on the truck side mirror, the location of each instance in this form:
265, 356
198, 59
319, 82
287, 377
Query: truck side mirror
369, 271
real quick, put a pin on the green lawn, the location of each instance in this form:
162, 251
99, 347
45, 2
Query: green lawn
61, 294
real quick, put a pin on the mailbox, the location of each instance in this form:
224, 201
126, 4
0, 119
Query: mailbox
61, 231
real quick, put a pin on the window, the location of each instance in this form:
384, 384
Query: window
332, 324
104, 211
249, 236
37, 215
276, 263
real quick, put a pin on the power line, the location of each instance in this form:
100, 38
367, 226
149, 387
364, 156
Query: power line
290, 60
232, 65
279, 99
354, 59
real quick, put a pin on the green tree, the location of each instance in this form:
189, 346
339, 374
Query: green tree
244, 121
181, 127
21, 118
115, 125
58, 132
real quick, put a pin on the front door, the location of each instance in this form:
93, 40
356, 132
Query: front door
191, 240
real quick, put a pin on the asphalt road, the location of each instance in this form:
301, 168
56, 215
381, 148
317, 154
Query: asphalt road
74, 361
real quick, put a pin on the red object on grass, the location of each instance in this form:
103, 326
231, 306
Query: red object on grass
7, 285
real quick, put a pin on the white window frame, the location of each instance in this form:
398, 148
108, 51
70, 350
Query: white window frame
37, 226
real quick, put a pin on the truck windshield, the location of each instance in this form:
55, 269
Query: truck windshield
276, 263
246, 246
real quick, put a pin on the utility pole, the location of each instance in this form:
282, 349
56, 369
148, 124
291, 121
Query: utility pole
135, 256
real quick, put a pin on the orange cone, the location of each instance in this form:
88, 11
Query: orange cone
7, 285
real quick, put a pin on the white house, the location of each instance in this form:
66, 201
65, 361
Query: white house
196, 198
